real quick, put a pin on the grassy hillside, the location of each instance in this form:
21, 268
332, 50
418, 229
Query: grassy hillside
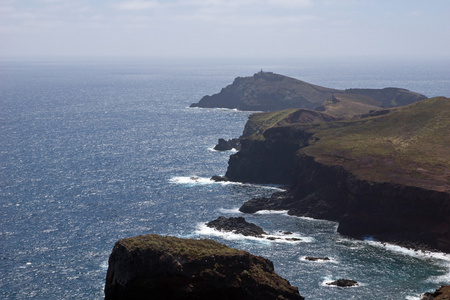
407, 145
410, 144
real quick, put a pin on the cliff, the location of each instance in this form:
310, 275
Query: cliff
386, 174
266, 91
157, 267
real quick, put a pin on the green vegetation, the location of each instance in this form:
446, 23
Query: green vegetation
260, 122
408, 145
178, 247
349, 105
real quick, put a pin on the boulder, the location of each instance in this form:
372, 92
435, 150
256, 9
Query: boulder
344, 283
237, 225
312, 258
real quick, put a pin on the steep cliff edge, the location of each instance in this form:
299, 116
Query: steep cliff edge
386, 175
267, 91
157, 267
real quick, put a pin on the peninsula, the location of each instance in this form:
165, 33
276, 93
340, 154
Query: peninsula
267, 91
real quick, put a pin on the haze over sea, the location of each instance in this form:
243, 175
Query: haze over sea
93, 151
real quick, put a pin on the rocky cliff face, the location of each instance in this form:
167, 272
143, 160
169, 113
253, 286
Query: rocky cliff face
401, 214
407, 214
266, 161
156, 267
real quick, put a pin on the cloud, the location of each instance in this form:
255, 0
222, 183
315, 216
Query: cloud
136, 5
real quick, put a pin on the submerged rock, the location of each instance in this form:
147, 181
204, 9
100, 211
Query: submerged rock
157, 267
237, 225
312, 258
344, 283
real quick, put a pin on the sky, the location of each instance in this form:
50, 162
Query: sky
225, 28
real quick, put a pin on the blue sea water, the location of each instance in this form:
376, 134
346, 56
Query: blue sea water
93, 151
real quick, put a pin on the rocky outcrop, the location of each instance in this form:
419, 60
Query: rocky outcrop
312, 258
237, 225
344, 283
443, 293
225, 145
157, 267
266, 91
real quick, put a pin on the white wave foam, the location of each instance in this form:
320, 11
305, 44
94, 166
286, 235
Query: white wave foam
320, 261
272, 212
413, 298
422, 254
196, 180
234, 210
233, 150
191, 180
293, 238
104, 265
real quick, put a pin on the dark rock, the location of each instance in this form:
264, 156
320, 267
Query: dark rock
311, 258
224, 145
278, 201
344, 283
443, 293
219, 178
237, 225
293, 239
157, 267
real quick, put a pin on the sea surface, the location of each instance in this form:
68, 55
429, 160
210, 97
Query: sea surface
92, 151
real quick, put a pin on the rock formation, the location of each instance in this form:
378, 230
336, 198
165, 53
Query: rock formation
443, 293
225, 145
385, 175
266, 91
312, 258
344, 283
237, 225
156, 267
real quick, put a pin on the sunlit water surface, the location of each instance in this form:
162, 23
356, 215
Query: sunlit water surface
92, 152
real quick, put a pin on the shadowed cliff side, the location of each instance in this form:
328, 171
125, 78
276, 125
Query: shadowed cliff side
387, 174
267, 91
157, 267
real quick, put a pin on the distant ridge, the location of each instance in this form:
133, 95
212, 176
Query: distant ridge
267, 91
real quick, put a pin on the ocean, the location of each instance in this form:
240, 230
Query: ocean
93, 151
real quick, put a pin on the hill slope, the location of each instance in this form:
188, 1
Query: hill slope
266, 91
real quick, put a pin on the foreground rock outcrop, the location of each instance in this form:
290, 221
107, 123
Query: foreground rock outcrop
443, 293
385, 175
156, 267
266, 91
